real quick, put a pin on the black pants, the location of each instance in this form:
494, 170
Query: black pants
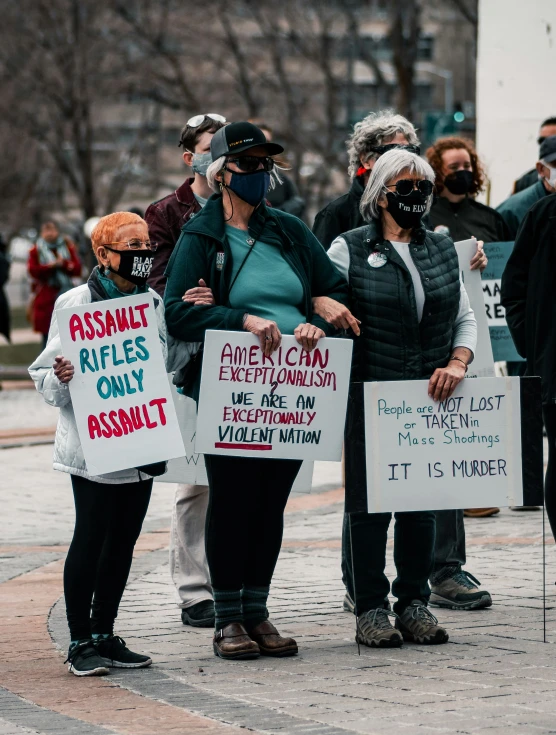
549, 416
365, 580
449, 547
245, 518
108, 520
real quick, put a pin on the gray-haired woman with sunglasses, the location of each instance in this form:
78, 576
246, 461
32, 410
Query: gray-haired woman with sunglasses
415, 323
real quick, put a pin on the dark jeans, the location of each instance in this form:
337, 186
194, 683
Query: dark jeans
549, 416
108, 520
449, 547
245, 518
366, 582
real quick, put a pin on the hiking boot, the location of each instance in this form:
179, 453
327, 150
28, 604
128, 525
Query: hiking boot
375, 630
84, 660
349, 604
200, 615
116, 654
459, 591
419, 625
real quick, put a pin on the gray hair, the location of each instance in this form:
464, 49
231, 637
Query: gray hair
389, 165
378, 128
217, 166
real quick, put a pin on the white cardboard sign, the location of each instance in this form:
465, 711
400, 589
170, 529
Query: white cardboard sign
120, 393
291, 405
462, 453
483, 363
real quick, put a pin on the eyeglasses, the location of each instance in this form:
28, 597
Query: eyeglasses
404, 187
249, 164
132, 245
197, 120
380, 149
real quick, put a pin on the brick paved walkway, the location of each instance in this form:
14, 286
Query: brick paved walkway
495, 676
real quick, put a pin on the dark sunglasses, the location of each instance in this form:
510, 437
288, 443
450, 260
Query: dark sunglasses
380, 149
404, 187
250, 164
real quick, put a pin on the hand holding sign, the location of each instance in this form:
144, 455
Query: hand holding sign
63, 369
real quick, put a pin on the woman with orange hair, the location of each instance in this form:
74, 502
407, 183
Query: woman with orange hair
459, 178
109, 508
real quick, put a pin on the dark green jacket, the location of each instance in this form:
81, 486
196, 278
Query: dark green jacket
195, 257
514, 208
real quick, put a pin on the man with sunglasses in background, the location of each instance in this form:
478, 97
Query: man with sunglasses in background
548, 128
374, 135
165, 218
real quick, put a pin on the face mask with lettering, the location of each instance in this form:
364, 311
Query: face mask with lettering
459, 182
200, 163
135, 266
408, 211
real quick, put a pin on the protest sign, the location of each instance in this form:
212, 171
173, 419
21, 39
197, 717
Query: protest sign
483, 362
502, 343
290, 405
466, 452
120, 394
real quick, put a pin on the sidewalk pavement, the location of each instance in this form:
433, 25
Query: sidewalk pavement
494, 676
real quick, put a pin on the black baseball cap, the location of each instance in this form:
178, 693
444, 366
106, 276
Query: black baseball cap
238, 137
547, 151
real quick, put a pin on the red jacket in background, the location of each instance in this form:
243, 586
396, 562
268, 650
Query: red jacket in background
45, 294
165, 219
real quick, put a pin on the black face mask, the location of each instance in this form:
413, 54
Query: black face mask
407, 211
135, 265
460, 182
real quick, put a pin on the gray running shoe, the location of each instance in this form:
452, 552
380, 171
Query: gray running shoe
419, 625
376, 631
459, 591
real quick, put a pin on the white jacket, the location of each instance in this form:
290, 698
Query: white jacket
68, 453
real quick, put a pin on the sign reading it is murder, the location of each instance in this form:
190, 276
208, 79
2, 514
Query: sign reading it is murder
291, 405
503, 346
120, 393
465, 452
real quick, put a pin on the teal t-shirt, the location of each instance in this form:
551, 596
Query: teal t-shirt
267, 285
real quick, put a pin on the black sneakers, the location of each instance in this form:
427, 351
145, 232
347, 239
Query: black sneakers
84, 660
200, 615
113, 652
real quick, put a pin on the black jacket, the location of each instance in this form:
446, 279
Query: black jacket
468, 219
528, 293
340, 216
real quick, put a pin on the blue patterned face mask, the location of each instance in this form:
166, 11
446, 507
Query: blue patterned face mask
251, 187
200, 163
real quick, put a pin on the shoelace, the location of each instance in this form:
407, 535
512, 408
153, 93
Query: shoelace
80, 649
466, 579
379, 619
421, 612
114, 643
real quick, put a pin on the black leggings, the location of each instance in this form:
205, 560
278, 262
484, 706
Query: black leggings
245, 518
108, 520
549, 416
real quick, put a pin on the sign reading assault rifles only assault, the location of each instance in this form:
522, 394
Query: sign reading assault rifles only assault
465, 452
291, 405
120, 393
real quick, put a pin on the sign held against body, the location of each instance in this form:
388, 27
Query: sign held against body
290, 405
120, 393
462, 452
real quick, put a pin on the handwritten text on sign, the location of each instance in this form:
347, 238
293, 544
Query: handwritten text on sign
464, 452
290, 405
120, 393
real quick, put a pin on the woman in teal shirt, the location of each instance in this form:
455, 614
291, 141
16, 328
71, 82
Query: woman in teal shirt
264, 267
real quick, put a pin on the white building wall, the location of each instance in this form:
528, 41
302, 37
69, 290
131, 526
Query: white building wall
516, 86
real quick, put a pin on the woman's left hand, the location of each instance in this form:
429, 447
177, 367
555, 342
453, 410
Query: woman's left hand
479, 260
200, 296
308, 336
444, 381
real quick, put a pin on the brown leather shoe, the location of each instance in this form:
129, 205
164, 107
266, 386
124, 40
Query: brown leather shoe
480, 512
232, 641
271, 643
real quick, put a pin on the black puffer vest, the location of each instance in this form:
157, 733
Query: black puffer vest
393, 344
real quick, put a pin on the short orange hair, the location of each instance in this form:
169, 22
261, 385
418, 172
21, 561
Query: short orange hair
434, 157
106, 228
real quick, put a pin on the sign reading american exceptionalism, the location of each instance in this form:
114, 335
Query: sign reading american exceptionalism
466, 452
291, 405
120, 392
